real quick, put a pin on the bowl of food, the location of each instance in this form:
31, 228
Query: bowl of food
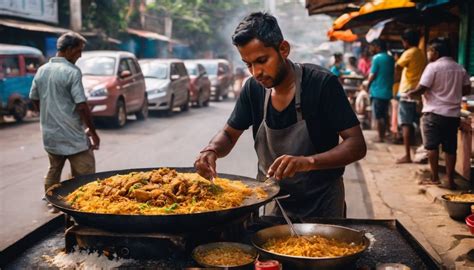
230, 255
458, 205
318, 246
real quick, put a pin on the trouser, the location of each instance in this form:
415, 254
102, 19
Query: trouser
81, 163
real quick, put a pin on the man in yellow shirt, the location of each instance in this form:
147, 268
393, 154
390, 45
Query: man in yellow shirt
411, 64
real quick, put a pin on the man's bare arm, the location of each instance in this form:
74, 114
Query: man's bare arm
86, 117
224, 140
219, 146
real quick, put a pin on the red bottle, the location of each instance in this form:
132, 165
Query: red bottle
267, 265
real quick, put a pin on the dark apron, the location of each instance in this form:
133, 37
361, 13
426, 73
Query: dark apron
310, 196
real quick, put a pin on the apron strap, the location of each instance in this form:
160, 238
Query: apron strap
265, 105
298, 76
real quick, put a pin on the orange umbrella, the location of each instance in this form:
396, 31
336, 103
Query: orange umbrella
340, 21
344, 35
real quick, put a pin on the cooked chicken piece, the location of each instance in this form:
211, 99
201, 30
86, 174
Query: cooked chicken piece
182, 190
156, 177
149, 187
156, 193
174, 185
171, 196
140, 195
131, 182
194, 189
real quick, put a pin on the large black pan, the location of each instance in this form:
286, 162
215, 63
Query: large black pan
156, 223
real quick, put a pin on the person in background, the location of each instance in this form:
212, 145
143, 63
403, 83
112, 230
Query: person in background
352, 68
380, 85
411, 65
442, 84
361, 103
65, 119
364, 63
394, 102
338, 67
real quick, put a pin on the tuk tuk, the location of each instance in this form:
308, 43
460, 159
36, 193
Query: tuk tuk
18, 66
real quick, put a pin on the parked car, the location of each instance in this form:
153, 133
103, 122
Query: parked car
114, 85
200, 85
167, 84
18, 66
220, 74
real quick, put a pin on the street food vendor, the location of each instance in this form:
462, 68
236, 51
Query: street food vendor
297, 113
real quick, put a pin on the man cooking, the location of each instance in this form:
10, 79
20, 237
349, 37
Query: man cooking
297, 113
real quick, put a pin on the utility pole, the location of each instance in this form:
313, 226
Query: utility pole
75, 15
270, 6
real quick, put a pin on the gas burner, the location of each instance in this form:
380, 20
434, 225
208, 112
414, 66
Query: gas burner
150, 245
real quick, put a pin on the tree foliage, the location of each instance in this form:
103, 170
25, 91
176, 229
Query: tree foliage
197, 21
104, 16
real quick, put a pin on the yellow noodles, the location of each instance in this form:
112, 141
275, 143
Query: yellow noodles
160, 192
313, 246
224, 256
460, 197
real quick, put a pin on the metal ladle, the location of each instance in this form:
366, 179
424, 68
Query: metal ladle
285, 216
288, 220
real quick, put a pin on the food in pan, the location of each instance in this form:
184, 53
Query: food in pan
313, 246
160, 192
224, 256
467, 197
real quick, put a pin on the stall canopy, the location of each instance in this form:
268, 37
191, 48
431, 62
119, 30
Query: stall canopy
331, 7
373, 12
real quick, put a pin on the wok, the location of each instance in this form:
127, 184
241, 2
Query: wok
156, 223
338, 233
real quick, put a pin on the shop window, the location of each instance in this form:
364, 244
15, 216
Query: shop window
9, 66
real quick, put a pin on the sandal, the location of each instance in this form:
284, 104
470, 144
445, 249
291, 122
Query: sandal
429, 182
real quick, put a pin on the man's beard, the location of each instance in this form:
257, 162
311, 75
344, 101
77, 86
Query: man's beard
280, 75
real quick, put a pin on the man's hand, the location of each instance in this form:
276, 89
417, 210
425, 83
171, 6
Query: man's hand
205, 164
286, 166
94, 139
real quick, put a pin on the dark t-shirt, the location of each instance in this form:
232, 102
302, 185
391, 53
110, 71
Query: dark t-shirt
324, 106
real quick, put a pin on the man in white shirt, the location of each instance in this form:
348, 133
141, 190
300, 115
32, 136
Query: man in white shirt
442, 84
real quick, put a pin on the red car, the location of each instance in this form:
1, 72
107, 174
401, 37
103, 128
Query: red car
114, 85
200, 85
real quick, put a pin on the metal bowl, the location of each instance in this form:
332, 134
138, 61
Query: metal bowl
456, 210
245, 248
338, 233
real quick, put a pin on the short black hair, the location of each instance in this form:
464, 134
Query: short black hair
441, 45
261, 26
379, 43
337, 55
69, 40
411, 36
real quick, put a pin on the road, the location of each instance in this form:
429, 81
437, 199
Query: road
158, 141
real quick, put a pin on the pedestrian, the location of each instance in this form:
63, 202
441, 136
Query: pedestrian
65, 119
297, 113
365, 63
411, 64
352, 68
338, 68
380, 85
442, 84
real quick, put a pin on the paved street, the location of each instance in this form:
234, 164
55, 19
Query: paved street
159, 141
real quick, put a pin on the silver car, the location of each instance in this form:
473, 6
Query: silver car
167, 84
